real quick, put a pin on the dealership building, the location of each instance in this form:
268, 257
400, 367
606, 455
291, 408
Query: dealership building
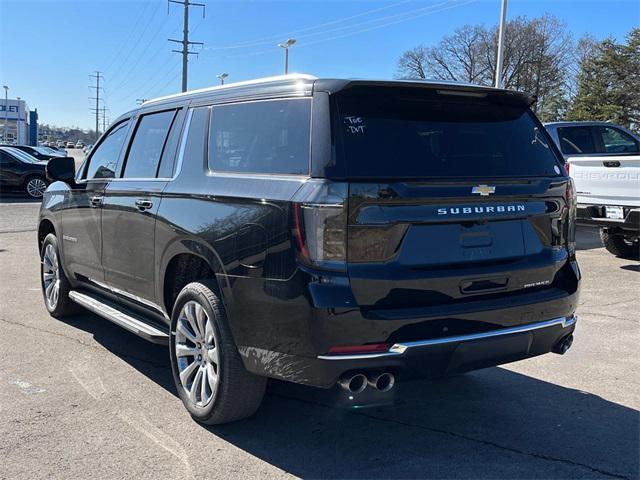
19, 124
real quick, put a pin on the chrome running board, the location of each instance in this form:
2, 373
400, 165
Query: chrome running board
400, 348
129, 321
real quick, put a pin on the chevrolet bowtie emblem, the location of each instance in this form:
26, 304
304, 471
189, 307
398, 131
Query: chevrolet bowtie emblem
484, 190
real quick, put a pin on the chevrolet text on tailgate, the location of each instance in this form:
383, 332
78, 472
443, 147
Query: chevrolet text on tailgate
334, 233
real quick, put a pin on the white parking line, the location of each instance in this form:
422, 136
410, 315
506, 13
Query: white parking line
26, 387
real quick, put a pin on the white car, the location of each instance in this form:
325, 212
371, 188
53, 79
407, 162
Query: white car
604, 161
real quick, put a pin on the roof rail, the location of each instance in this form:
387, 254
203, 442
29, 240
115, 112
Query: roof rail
256, 81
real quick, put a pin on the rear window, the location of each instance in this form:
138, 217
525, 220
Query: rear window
385, 134
270, 137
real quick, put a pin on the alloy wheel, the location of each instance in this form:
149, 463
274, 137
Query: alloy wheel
197, 353
51, 276
36, 187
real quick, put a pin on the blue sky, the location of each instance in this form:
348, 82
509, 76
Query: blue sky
48, 48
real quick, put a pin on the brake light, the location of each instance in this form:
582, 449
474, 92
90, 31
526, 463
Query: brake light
320, 224
567, 167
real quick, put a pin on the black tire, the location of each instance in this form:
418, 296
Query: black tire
63, 306
29, 187
620, 246
238, 393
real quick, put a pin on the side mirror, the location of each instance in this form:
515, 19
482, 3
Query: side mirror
61, 169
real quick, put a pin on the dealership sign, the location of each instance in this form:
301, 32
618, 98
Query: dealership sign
13, 110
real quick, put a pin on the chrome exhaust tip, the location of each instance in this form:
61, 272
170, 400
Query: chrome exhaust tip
563, 345
353, 383
383, 382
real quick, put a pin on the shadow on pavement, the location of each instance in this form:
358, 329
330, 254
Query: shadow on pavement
491, 423
632, 268
588, 238
17, 197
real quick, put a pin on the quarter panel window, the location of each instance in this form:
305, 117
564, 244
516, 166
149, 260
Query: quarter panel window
147, 145
104, 159
165, 170
617, 141
576, 140
271, 137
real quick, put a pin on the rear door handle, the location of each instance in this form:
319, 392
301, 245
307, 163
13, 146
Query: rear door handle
143, 204
96, 201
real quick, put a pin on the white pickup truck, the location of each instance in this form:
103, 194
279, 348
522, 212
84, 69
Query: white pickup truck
604, 161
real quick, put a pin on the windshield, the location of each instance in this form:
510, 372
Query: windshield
50, 151
42, 150
20, 155
385, 133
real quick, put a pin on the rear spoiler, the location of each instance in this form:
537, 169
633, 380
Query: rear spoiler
440, 87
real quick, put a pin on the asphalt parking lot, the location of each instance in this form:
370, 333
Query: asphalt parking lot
81, 398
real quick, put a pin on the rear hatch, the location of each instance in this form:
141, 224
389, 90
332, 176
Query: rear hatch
453, 197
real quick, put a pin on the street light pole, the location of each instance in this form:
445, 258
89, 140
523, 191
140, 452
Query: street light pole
6, 114
221, 77
286, 46
500, 59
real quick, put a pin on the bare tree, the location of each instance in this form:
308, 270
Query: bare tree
537, 56
459, 56
412, 63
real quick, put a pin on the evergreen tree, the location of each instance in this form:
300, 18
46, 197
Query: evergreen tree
609, 83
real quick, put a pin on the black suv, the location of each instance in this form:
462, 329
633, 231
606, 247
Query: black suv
332, 233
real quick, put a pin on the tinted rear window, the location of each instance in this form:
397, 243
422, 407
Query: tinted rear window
428, 135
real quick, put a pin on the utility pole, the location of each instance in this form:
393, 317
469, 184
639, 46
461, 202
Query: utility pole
185, 38
104, 118
97, 76
499, 61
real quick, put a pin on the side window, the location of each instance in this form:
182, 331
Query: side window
261, 137
195, 146
104, 158
165, 170
147, 145
576, 140
616, 141
6, 160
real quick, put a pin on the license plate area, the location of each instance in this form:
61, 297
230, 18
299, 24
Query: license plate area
614, 213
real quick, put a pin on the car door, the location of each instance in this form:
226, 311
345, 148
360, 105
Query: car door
82, 214
10, 175
131, 203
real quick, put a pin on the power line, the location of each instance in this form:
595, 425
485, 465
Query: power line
185, 38
272, 38
127, 41
125, 61
149, 73
97, 76
448, 5
404, 17
136, 65
155, 88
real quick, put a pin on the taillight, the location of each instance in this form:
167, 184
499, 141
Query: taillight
570, 199
567, 167
320, 224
